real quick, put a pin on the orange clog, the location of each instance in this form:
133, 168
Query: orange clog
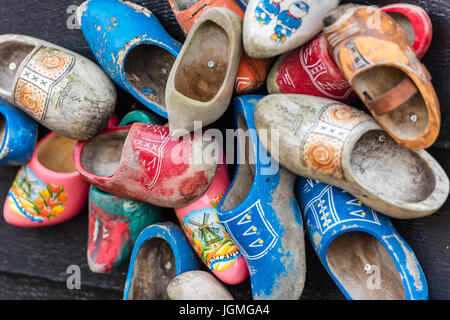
251, 73
374, 54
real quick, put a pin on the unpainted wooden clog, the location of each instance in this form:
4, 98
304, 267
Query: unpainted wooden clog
114, 225
197, 285
60, 89
201, 82
311, 69
273, 27
161, 253
374, 54
47, 190
334, 143
18, 134
132, 47
361, 250
260, 213
251, 73
142, 162
208, 237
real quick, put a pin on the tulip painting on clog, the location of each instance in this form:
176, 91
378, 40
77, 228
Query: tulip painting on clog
208, 237
361, 250
18, 134
143, 162
261, 215
60, 89
48, 190
114, 225
132, 47
273, 27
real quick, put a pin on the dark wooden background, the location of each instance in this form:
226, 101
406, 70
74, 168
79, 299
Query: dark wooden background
33, 262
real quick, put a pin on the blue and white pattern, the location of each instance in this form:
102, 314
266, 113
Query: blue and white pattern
330, 212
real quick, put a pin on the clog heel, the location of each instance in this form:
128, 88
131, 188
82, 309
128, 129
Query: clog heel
58, 88
360, 249
161, 253
47, 190
334, 143
201, 82
132, 47
260, 213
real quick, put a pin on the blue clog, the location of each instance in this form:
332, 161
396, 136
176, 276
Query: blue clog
359, 248
18, 134
260, 213
243, 4
132, 47
161, 253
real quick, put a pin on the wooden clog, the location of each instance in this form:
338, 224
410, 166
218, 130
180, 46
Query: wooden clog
208, 237
384, 71
311, 69
18, 134
273, 27
197, 285
142, 162
60, 89
340, 145
114, 225
361, 250
201, 82
47, 190
132, 47
243, 4
261, 215
251, 73
161, 253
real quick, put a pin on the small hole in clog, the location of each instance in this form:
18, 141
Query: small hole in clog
12, 66
168, 265
163, 71
211, 64
413, 118
367, 267
382, 138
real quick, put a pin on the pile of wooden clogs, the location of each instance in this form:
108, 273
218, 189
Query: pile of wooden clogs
307, 161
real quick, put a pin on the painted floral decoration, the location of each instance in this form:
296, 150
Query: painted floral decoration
51, 201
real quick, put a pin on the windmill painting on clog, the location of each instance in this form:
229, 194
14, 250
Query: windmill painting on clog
161, 253
273, 27
58, 88
360, 249
18, 134
311, 69
208, 237
114, 225
201, 82
260, 213
143, 162
384, 71
251, 73
47, 190
132, 47
337, 144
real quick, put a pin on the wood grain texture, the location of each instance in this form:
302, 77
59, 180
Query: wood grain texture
33, 262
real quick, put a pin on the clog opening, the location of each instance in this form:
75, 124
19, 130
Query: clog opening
55, 154
405, 24
410, 119
204, 64
389, 169
364, 267
101, 155
184, 4
147, 68
12, 54
246, 171
2, 129
154, 268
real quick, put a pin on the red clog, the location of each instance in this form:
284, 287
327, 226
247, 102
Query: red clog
142, 162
